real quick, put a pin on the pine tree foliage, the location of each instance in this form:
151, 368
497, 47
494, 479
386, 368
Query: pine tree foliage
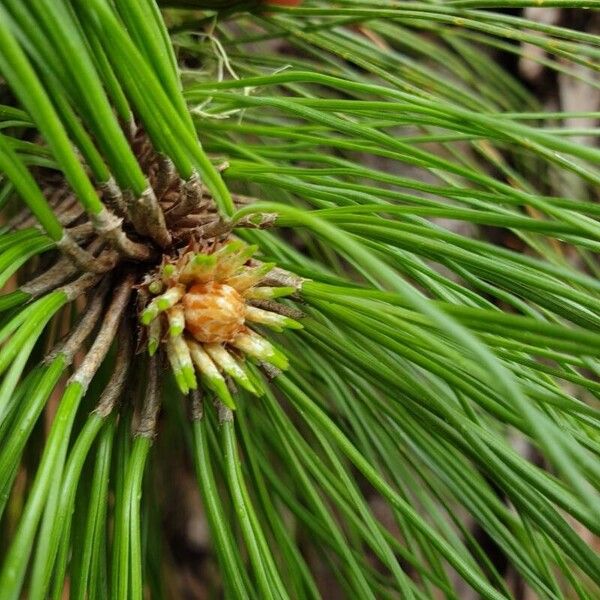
435, 231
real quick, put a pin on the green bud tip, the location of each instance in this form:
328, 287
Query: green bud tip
257, 383
152, 346
278, 359
148, 316
247, 385
220, 388
279, 292
181, 382
292, 323
175, 330
156, 287
190, 377
232, 247
162, 304
204, 260
247, 252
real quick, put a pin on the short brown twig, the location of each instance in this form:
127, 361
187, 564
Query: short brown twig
83, 259
82, 329
192, 199
58, 273
103, 340
147, 424
114, 388
113, 195
109, 227
150, 214
165, 175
